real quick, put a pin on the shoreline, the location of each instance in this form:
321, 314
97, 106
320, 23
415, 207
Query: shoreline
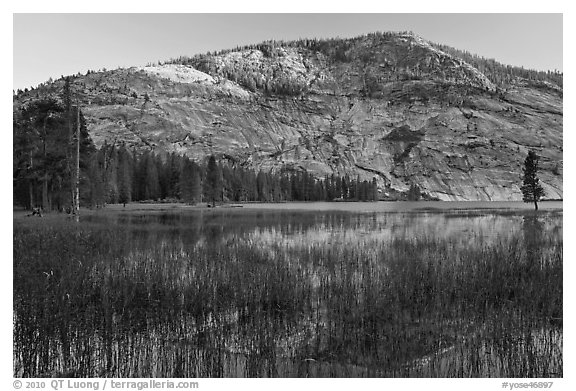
318, 206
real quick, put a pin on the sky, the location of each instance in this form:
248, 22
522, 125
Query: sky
52, 45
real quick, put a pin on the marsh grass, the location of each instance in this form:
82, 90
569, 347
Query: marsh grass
303, 299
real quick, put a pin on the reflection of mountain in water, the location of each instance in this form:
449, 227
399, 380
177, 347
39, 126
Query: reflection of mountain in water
306, 228
212, 293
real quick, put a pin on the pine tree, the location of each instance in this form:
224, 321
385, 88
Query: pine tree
174, 168
238, 184
124, 176
531, 189
137, 176
46, 121
112, 188
40, 150
24, 160
286, 187
414, 193
163, 177
189, 182
374, 188
249, 188
263, 187
67, 99
97, 185
345, 187
227, 181
196, 184
213, 182
151, 182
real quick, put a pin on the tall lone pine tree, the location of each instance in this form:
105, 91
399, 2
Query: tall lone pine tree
213, 184
531, 189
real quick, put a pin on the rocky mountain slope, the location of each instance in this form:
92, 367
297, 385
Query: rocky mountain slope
387, 105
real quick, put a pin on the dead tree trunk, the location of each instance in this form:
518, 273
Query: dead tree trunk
31, 183
45, 204
76, 181
69, 153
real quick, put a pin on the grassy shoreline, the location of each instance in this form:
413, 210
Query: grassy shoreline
380, 206
328, 298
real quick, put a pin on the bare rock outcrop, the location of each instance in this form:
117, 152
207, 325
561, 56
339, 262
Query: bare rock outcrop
398, 109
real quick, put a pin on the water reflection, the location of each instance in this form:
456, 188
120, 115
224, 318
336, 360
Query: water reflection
210, 293
269, 227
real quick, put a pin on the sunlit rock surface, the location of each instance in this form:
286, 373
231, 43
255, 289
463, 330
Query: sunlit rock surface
444, 126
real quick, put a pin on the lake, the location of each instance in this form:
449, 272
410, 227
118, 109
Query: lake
405, 289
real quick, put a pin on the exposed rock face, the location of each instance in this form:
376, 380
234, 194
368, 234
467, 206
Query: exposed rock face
396, 108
